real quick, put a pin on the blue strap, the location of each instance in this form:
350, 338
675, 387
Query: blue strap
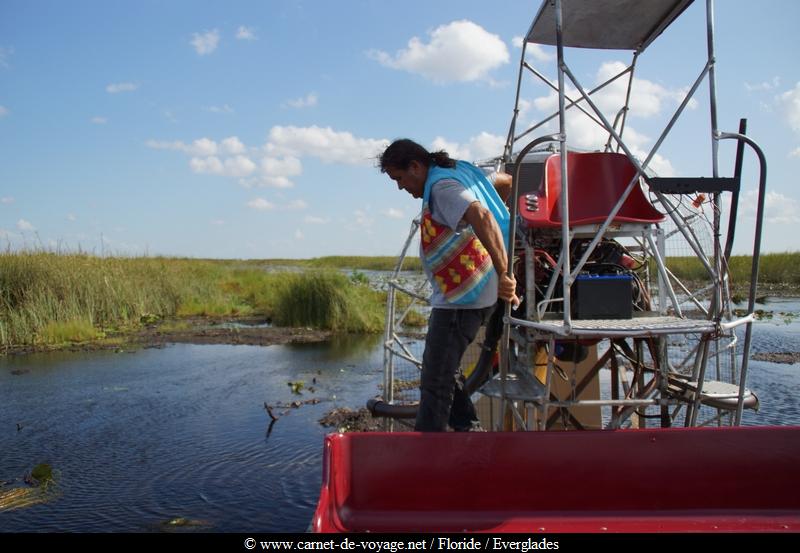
473, 179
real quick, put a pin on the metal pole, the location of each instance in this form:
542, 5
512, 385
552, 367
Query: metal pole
506, 338
628, 95
509, 149
566, 278
572, 102
762, 184
716, 303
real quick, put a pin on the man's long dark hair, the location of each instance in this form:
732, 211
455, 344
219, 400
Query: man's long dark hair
400, 153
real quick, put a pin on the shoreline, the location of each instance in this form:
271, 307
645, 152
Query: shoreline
257, 331
193, 330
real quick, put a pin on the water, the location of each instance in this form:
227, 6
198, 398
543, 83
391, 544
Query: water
143, 438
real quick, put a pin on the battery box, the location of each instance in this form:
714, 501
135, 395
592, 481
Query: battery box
602, 297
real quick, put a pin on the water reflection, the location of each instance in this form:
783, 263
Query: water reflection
178, 439
178, 433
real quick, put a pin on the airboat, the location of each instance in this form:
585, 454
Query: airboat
614, 393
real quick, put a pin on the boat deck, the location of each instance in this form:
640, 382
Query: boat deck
700, 480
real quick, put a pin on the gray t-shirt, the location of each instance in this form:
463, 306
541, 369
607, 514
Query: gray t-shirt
448, 202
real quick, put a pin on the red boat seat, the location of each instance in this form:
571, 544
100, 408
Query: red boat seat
596, 182
660, 480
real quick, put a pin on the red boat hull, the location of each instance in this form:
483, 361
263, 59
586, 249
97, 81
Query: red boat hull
663, 480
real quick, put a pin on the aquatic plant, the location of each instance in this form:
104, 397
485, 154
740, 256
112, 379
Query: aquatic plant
327, 300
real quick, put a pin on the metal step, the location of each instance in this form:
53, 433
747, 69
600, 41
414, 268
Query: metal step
642, 324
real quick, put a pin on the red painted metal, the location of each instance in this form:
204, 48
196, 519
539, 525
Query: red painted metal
596, 182
661, 480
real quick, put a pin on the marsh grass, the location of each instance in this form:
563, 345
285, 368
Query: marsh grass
774, 268
328, 300
48, 298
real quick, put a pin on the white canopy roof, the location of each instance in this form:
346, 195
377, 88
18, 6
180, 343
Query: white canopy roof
606, 24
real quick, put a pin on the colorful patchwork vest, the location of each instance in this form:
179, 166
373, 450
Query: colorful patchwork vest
460, 264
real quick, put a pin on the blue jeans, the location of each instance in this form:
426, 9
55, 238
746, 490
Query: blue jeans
442, 396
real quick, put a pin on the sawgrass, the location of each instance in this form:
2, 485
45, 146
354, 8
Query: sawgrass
774, 268
48, 298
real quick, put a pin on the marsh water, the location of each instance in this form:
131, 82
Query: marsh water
142, 440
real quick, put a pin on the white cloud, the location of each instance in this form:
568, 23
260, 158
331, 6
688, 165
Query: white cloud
460, 51
535, 50
205, 43
539, 54
298, 235
312, 220
647, 98
71, 217
24, 225
115, 88
789, 102
297, 204
524, 107
245, 33
6, 200
324, 143
97, 120
232, 145
279, 160
778, 208
361, 219
795, 153
3, 111
217, 222
260, 204
393, 213
763, 86
225, 108
202, 147
276, 171
210, 164
482, 146
237, 166
308, 101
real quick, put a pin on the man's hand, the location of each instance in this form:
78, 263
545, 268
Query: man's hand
507, 289
532, 202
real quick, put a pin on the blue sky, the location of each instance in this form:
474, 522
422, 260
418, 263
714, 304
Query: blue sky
248, 129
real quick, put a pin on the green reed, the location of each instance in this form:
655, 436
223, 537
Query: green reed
50, 298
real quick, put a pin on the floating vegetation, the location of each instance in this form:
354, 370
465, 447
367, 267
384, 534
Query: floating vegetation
349, 420
403, 385
184, 523
297, 387
785, 357
762, 314
40, 488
